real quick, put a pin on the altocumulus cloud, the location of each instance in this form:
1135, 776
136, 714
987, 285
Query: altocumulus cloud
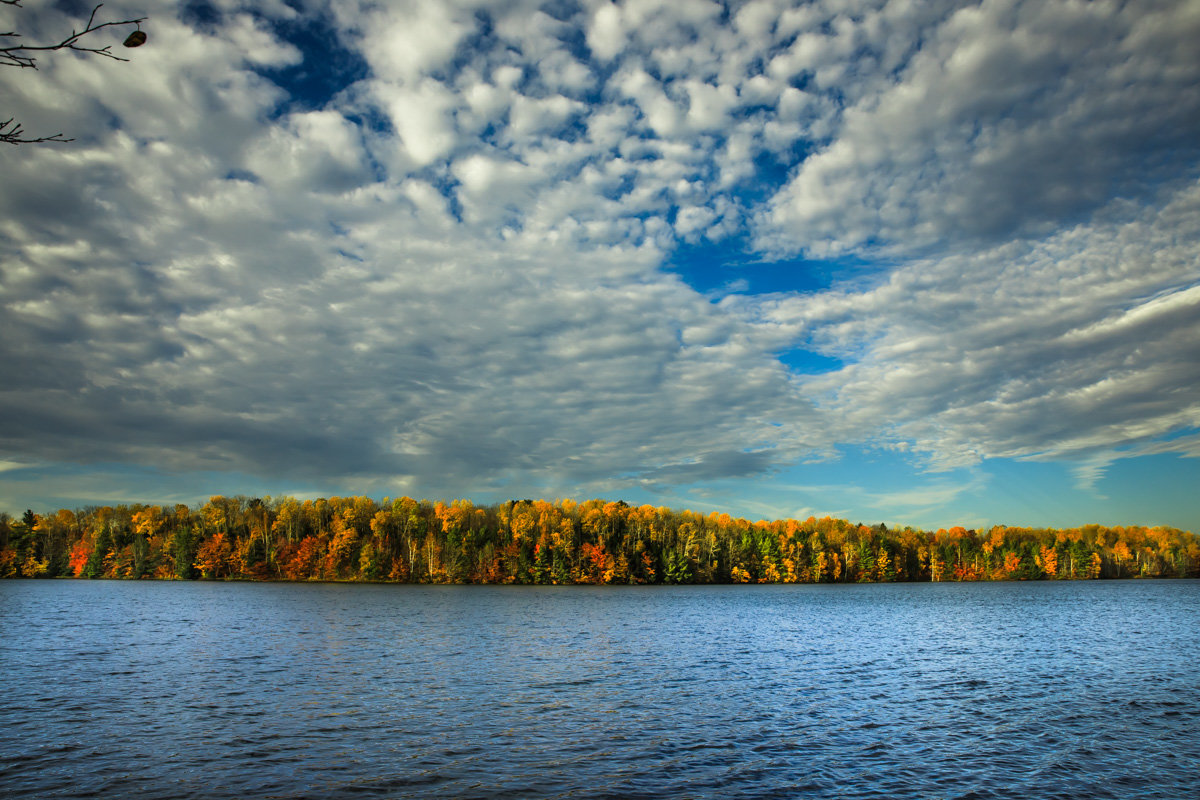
419, 247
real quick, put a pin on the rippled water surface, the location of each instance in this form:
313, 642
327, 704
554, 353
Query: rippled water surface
1021, 690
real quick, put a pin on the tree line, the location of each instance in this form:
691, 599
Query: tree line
562, 542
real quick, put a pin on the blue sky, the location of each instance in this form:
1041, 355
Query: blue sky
926, 264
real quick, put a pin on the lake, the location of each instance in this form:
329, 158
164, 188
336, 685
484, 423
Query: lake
228, 690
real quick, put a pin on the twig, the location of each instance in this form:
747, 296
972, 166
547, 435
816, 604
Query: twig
11, 131
14, 56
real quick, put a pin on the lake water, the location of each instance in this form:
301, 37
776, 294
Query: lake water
214, 690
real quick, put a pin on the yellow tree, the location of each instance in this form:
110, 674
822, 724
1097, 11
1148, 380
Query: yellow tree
214, 557
883, 566
1121, 554
835, 566
343, 548
820, 562
937, 567
289, 520
1048, 560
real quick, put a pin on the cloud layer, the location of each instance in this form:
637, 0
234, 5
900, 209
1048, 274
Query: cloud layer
427, 255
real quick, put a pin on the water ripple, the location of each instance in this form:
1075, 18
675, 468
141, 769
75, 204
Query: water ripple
296, 691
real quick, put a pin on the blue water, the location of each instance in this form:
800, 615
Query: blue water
213, 690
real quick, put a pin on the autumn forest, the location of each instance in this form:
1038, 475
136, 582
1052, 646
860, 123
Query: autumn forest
564, 542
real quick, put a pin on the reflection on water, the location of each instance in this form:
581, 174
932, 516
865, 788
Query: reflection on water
316, 690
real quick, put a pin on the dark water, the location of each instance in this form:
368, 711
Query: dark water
902, 691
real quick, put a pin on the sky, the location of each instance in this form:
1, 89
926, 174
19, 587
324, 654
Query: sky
921, 263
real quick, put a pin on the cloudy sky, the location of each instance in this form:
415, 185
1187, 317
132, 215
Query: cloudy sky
926, 263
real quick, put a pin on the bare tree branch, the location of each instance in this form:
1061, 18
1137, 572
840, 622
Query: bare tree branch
11, 131
16, 55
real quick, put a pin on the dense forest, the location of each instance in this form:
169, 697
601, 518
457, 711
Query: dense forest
535, 541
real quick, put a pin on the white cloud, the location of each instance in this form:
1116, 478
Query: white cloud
448, 276
1071, 347
606, 35
422, 116
307, 319
316, 150
532, 116
1012, 119
406, 42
